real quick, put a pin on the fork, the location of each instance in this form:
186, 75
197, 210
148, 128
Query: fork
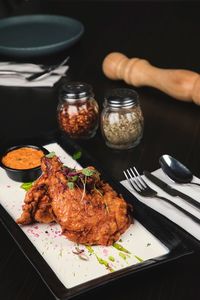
48, 71
34, 75
27, 76
142, 188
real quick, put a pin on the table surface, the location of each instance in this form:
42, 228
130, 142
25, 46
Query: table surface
167, 35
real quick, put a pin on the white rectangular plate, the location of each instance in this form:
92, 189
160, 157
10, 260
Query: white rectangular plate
57, 251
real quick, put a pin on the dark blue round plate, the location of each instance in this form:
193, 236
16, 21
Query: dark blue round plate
34, 35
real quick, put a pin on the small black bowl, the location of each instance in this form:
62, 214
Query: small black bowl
23, 175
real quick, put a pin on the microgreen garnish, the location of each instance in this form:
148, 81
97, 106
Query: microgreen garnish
81, 179
84, 187
26, 186
70, 185
77, 155
88, 172
106, 206
74, 178
50, 154
98, 191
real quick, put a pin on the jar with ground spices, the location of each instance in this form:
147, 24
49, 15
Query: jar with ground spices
122, 119
77, 110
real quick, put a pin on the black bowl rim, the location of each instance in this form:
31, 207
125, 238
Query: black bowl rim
44, 150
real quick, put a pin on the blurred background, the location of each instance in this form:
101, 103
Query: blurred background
22, 6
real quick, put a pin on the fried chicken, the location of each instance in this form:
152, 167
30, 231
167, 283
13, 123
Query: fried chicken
88, 210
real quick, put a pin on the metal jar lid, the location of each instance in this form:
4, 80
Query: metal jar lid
75, 91
121, 97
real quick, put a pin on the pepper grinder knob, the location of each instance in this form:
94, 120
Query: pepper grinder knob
181, 84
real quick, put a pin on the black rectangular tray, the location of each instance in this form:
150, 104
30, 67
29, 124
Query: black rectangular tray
179, 242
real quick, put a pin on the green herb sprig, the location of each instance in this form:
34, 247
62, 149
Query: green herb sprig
70, 185
77, 155
26, 186
50, 154
88, 172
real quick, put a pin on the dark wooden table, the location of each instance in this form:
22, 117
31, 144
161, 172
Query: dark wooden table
166, 34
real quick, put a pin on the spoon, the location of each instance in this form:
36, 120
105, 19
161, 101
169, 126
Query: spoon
176, 170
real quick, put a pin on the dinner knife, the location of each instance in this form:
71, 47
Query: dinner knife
46, 72
169, 190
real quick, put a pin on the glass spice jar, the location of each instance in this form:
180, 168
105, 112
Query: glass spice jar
122, 119
77, 110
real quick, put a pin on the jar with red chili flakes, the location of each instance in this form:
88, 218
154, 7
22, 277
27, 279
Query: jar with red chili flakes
78, 111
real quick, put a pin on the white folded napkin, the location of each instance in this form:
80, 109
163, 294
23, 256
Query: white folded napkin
27, 69
168, 210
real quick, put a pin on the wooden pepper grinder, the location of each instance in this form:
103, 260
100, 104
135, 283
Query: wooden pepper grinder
180, 84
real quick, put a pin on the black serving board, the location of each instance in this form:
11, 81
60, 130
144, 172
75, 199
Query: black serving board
173, 237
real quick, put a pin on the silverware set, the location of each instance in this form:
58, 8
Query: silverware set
32, 76
141, 187
47, 72
169, 190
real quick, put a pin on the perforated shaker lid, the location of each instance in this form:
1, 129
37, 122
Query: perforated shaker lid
76, 90
121, 97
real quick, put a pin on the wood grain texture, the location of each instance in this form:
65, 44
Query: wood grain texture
180, 84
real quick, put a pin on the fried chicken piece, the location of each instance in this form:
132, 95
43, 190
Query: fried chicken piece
88, 210
37, 207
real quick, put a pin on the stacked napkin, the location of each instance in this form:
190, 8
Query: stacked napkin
8, 77
169, 211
